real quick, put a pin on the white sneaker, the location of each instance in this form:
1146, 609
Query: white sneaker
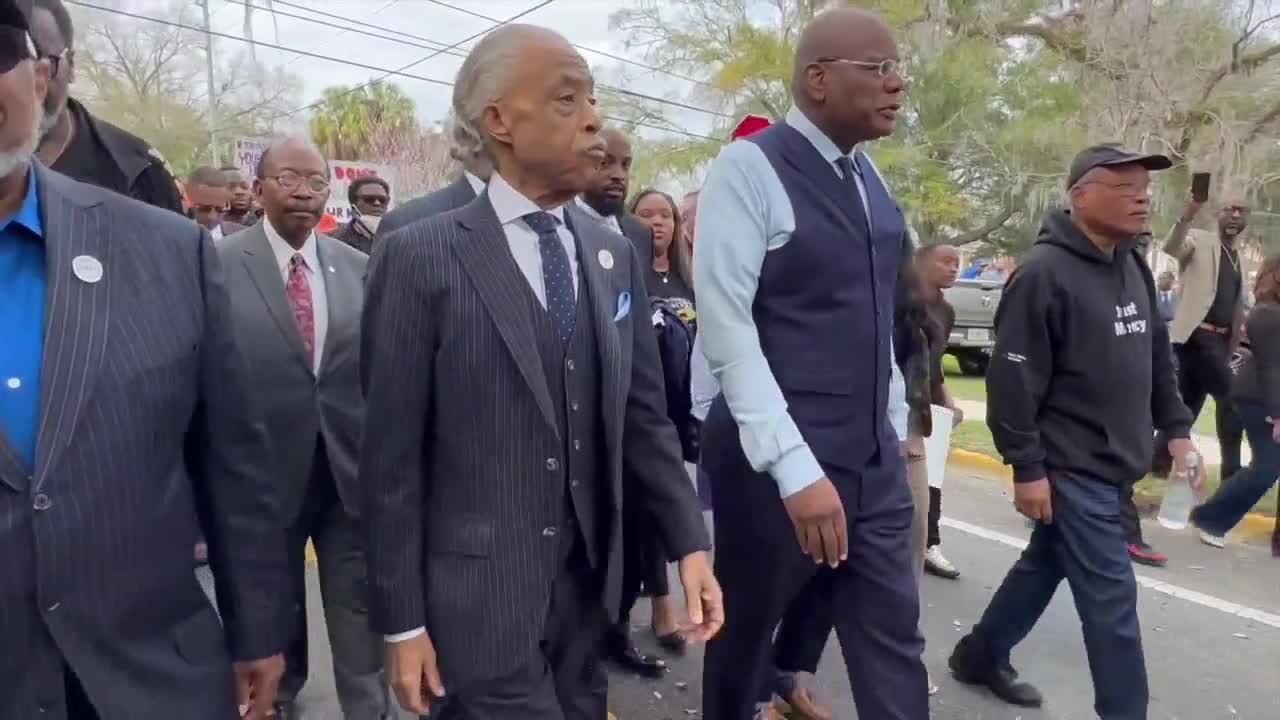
935, 563
1218, 541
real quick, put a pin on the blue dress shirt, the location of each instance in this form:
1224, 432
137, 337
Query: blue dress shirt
22, 292
743, 214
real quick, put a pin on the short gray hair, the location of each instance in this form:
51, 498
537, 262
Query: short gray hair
468, 150
481, 80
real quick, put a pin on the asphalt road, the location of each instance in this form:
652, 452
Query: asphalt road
1211, 627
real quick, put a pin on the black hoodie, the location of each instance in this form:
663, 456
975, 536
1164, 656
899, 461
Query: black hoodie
1081, 374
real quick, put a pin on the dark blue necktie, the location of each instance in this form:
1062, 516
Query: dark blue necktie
557, 275
849, 173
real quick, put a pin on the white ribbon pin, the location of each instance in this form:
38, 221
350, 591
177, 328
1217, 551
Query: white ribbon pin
606, 259
87, 267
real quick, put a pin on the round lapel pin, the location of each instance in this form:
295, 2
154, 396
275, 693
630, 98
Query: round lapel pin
606, 259
87, 267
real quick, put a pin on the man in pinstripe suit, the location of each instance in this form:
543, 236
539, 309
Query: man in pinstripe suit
124, 417
512, 383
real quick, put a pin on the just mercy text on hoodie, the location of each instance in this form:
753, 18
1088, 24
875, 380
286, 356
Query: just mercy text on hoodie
1082, 373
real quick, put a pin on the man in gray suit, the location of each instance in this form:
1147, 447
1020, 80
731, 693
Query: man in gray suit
476, 168
296, 300
512, 381
125, 426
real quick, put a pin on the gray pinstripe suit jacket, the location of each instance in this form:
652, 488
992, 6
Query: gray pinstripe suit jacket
459, 433
145, 425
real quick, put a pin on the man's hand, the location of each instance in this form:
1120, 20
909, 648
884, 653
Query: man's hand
256, 683
701, 596
1191, 210
1178, 448
818, 516
1034, 499
912, 448
414, 676
957, 415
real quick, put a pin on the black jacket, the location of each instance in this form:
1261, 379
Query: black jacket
1081, 374
1257, 375
145, 175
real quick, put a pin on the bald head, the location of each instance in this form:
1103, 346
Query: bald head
292, 186
846, 77
607, 193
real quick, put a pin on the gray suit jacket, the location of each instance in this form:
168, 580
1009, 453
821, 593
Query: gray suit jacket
461, 433
450, 197
299, 404
148, 432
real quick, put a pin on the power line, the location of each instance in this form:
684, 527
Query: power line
352, 63
601, 53
435, 44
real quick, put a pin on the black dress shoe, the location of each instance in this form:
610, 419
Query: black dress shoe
631, 659
971, 665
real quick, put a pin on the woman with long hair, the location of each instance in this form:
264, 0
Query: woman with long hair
670, 278
1255, 390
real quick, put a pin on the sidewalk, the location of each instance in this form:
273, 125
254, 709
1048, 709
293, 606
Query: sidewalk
1208, 444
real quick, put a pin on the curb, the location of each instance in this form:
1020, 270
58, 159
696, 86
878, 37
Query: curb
1254, 526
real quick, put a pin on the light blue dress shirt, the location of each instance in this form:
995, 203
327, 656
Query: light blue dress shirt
743, 214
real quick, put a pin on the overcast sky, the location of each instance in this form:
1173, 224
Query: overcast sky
583, 22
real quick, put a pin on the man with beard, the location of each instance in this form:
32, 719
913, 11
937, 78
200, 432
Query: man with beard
74, 142
606, 199
240, 208
1205, 331
124, 417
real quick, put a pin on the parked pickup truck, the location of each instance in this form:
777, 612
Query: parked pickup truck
972, 337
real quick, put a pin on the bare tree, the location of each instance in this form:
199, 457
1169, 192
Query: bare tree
420, 157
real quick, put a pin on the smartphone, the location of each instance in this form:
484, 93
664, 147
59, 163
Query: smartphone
1200, 186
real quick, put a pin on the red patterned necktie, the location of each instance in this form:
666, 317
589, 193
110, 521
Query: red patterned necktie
299, 291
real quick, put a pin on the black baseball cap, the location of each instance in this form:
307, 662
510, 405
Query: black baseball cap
1110, 155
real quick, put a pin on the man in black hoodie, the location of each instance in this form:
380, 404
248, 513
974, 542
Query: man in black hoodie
1080, 378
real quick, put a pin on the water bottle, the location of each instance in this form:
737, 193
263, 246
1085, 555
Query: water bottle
1179, 497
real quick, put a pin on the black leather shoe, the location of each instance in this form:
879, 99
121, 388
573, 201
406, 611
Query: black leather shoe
631, 659
970, 665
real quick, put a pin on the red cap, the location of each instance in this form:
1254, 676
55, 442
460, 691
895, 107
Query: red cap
750, 125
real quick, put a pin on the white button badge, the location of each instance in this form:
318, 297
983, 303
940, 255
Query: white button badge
87, 267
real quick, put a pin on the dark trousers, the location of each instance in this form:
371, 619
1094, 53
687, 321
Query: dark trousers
873, 596
802, 635
357, 651
1085, 545
564, 679
644, 563
935, 516
1230, 435
1241, 491
1203, 367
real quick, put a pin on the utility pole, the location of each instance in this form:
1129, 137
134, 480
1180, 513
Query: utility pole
208, 70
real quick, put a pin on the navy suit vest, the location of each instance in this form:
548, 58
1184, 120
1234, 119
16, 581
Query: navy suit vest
824, 305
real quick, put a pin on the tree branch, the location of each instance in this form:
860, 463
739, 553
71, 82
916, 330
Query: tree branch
980, 233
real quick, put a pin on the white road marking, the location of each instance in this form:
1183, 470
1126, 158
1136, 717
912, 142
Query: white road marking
1192, 596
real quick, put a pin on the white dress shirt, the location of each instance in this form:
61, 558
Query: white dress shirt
477, 185
315, 277
215, 232
610, 221
744, 213
511, 207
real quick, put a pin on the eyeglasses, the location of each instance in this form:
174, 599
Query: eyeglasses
15, 46
373, 199
290, 180
209, 209
56, 61
884, 68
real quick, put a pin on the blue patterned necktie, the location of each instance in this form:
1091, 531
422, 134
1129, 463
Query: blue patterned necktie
850, 174
557, 275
